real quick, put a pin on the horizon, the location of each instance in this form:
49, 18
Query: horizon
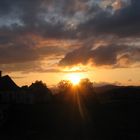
72, 81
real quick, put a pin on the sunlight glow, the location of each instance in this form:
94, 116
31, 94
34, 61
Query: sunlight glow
74, 78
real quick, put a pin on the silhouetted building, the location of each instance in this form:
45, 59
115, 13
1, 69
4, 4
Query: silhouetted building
7, 84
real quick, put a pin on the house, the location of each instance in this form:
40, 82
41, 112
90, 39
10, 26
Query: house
7, 84
8, 89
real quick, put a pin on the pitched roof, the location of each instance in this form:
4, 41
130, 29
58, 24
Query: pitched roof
6, 83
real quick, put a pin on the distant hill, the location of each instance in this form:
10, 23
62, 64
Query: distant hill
112, 92
105, 88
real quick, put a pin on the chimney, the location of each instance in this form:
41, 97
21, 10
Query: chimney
0, 73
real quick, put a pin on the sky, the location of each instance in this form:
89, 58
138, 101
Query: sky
49, 40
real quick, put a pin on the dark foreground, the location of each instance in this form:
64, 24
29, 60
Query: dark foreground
74, 119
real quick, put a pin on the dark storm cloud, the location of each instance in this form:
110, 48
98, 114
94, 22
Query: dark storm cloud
124, 22
109, 55
47, 18
24, 67
23, 47
57, 18
19, 19
22, 53
8, 6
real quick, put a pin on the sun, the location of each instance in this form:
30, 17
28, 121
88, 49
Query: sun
74, 78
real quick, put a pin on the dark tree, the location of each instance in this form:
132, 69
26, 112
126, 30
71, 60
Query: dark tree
64, 86
86, 85
42, 92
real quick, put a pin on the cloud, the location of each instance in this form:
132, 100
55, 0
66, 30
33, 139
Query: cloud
69, 19
20, 51
52, 19
35, 66
24, 67
124, 22
108, 55
28, 27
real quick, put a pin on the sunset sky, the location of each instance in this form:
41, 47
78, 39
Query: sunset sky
49, 40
